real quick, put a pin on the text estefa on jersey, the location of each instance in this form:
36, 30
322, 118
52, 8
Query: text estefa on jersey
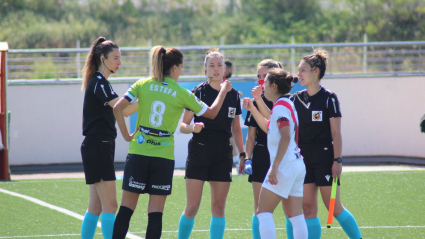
163, 89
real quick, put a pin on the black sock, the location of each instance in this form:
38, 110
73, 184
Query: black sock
154, 225
122, 222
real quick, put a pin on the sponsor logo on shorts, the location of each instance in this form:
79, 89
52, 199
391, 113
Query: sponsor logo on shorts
140, 139
316, 115
230, 174
232, 112
135, 184
158, 143
327, 177
162, 187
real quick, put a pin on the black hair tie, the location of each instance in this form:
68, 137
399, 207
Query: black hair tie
163, 51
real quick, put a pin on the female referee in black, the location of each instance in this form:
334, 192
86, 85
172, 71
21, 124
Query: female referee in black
210, 152
256, 144
320, 142
98, 147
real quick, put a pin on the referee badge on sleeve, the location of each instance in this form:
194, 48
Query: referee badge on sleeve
316, 116
232, 112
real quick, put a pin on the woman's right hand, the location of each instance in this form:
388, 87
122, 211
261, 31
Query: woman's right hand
197, 127
256, 92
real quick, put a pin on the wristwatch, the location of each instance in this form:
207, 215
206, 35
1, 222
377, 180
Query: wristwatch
339, 160
242, 154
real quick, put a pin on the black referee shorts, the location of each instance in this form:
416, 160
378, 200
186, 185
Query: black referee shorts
209, 161
145, 174
260, 163
98, 155
318, 160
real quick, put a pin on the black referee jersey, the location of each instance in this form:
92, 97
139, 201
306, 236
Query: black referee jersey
220, 128
260, 135
98, 116
314, 113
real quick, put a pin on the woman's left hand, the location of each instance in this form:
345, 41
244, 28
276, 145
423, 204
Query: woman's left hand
273, 175
247, 103
130, 137
336, 170
241, 164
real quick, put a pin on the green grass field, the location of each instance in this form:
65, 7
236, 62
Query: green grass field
385, 204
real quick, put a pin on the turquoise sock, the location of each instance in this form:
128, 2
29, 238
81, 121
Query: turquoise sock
217, 227
314, 228
289, 229
349, 224
185, 227
88, 228
107, 220
255, 227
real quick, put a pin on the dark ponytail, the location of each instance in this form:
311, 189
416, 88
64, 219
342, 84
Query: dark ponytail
318, 59
99, 47
282, 79
162, 60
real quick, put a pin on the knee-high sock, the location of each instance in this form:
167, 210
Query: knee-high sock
88, 228
217, 226
122, 222
107, 220
314, 228
185, 227
299, 227
267, 227
289, 229
154, 229
349, 224
255, 227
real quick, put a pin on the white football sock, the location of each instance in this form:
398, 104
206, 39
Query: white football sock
299, 226
267, 227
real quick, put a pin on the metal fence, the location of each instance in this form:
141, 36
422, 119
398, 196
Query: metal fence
367, 59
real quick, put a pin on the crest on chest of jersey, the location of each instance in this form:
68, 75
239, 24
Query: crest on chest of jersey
232, 112
316, 116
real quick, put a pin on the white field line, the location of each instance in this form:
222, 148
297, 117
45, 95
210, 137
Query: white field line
59, 209
180, 172
249, 229
207, 230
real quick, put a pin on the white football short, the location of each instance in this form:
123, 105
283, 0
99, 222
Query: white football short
290, 179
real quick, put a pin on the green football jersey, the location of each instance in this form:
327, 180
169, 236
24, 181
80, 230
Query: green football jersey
159, 110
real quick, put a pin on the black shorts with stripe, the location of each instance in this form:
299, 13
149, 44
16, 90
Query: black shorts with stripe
318, 160
260, 163
98, 154
209, 161
145, 174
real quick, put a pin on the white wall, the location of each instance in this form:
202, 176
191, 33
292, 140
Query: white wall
380, 117
46, 124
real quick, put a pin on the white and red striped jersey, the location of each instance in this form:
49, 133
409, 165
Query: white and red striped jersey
283, 114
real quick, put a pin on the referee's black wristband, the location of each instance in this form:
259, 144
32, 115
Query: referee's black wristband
242, 154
